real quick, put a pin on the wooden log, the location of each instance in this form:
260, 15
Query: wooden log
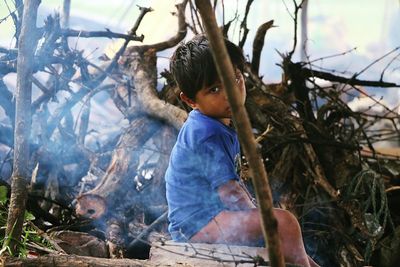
124, 162
80, 244
211, 255
72, 260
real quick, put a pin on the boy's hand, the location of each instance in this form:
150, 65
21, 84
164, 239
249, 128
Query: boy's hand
234, 196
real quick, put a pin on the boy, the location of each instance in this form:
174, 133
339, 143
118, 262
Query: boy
207, 202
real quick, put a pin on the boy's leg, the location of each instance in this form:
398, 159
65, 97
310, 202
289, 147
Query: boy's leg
244, 228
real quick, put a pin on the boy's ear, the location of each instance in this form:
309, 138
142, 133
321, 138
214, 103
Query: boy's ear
187, 100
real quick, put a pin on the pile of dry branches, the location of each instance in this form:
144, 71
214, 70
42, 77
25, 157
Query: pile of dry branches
319, 153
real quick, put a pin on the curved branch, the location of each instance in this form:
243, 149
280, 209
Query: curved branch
258, 44
182, 31
144, 71
143, 68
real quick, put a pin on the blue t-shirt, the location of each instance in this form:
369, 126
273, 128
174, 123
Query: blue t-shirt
204, 157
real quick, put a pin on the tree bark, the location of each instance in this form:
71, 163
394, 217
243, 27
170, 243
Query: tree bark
20, 178
259, 177
144, 71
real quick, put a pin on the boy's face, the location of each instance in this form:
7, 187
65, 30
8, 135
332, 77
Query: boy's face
212, 101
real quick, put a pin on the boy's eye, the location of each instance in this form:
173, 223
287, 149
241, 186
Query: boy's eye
214, 89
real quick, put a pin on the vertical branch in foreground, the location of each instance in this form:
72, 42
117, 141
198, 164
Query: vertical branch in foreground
20, 177
65, 14
304, 31
259, 177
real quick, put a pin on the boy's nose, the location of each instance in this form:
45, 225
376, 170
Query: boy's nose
225, 95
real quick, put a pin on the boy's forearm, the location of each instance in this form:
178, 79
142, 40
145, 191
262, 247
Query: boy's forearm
234, 196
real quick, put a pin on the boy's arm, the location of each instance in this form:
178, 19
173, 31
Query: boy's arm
234, 196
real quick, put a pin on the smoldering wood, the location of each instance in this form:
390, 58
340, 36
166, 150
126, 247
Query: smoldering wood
142, 66
115, 238
147, 231
123, 165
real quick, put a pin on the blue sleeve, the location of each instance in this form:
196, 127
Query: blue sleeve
218, 158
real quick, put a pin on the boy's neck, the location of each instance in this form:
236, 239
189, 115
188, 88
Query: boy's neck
225, 121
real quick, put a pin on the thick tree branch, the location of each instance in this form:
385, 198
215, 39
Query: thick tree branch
258, 45
143, 68
106, 34
21, 174
144, 72
344, 80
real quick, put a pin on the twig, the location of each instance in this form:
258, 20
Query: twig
143, 11
377, 60
45, 236
147, 231
41, 248
393, 188
264, 134
182, 30
107, 34
350, 81
243, 25
296, 13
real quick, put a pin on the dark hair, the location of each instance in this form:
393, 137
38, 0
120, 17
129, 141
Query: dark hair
192, 65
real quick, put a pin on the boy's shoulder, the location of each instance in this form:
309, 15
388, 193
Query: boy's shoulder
199, 128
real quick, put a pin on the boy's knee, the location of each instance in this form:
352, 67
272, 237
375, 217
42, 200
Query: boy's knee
286, 220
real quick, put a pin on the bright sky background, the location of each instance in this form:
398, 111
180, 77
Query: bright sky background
334, 27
